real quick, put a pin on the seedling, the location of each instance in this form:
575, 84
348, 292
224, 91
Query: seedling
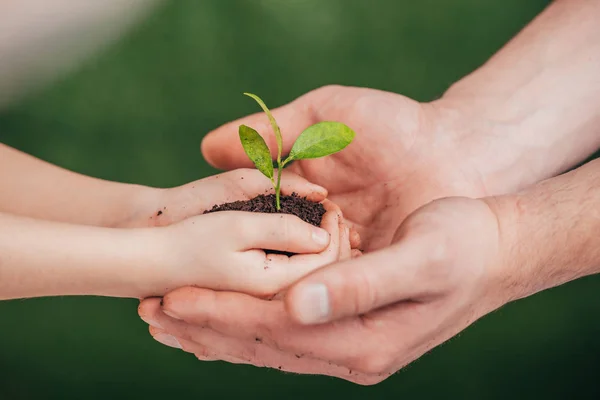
318, 140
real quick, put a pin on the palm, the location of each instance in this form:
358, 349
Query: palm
385, 174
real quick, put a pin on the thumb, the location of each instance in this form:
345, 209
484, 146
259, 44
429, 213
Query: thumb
360, 285
222, 147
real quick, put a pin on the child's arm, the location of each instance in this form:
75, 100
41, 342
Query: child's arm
34, 188
219, 251
44, 258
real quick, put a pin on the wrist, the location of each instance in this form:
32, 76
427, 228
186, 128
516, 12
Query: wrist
138, 206
518, 124
507, 279
489, 139
46, 258
548, 233
147, 270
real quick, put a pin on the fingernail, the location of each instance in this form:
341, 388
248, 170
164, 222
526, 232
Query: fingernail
153, 323
313, 304
320, 236
171, 314
167, 340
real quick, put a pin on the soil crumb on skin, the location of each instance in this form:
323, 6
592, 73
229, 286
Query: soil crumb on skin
304, 209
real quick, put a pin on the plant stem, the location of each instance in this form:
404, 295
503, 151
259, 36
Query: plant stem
287, 160
280, 166
278, 186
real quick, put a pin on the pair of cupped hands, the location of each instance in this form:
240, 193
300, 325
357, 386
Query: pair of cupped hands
405, 193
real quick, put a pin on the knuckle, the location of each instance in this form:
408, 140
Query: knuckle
329, 88
361, 291
287, 230
263, 282
201, 351
369, 380
374, 364
266, 288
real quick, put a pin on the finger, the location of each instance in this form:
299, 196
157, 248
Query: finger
331, 223
264, 275
205, 343
245, 317
202, 352
354, 239
164, 338
209, 345
150, 312
222, 148
246, 183
289, 270
361, 344
147, 309
345, 251
283, 271
360, 285
279, 232
293, 183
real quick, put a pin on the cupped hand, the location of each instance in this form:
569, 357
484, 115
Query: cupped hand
229, 250
443, 272
162, 207
405, 154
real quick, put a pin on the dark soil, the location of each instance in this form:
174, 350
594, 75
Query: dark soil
304, 209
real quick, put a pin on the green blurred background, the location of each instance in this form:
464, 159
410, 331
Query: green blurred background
137, 112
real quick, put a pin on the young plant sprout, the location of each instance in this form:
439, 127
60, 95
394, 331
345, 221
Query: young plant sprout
318, 140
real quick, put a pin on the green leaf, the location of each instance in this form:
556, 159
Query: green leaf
273, 123
321, 139
257, 150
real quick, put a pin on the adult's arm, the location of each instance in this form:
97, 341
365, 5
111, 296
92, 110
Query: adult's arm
534, 107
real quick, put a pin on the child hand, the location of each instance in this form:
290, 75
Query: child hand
224, 251
161, 207
218, 250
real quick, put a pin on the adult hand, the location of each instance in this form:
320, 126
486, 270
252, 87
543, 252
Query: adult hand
442, 273
405, 154
452, 261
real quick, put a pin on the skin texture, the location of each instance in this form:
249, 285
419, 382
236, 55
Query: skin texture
461, 259
31, 187
43, 257
437, 259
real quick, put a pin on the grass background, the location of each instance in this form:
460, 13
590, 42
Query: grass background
137, 112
